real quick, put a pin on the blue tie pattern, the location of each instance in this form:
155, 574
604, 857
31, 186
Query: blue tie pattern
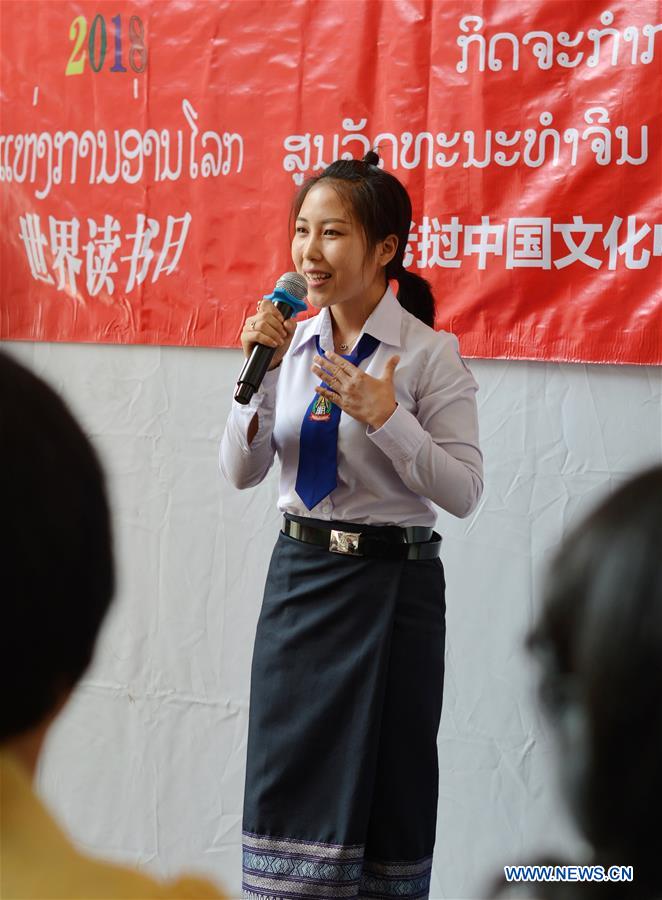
317, 474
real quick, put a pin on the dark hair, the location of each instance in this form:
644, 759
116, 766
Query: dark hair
599, 638
381, 205
56, 560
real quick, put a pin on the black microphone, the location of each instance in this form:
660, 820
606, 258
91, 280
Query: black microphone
287, 297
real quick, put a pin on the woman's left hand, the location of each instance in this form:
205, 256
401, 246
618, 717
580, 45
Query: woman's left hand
364, 398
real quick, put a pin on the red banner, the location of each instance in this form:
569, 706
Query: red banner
149, 153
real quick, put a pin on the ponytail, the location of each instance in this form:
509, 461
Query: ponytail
415, 295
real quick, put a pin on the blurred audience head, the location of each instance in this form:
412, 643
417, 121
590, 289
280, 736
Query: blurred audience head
599, 641
56, 549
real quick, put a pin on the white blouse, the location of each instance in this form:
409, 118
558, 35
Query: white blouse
426, 452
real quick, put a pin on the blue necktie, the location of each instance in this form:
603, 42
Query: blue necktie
317, 474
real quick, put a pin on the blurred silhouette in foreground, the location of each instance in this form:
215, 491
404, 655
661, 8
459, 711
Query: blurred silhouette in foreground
57, 570
599, 644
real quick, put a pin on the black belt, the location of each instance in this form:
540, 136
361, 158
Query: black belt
413, 542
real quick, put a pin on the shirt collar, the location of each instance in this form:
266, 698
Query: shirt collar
384, 323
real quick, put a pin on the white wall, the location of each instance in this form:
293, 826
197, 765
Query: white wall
146, 765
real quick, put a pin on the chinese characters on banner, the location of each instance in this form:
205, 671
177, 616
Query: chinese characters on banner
67, 254
149, 154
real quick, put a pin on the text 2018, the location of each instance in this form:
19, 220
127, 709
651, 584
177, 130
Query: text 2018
97, 44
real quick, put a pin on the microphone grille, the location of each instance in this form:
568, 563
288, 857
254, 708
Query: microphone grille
294, 284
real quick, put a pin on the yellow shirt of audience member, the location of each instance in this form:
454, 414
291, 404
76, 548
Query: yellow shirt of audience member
38, 861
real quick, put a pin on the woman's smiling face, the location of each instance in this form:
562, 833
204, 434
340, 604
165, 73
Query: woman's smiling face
329, 250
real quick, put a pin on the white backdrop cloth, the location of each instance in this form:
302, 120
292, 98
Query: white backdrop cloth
146, 764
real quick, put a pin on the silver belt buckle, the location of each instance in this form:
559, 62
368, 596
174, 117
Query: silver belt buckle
346, 542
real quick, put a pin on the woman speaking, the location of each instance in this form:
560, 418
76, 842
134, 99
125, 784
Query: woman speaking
372, 415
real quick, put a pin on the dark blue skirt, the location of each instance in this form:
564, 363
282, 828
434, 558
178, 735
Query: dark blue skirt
346, 692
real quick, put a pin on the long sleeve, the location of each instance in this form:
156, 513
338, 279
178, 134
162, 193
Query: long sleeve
435, 450
243, 464
427, 453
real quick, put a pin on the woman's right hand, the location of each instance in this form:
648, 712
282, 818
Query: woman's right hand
267, 326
